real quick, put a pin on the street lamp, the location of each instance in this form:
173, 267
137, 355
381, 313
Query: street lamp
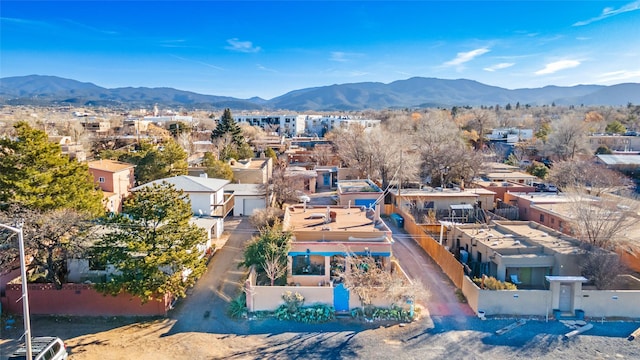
25, 297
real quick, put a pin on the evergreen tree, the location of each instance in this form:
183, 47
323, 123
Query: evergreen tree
36, 175
271, 154
152, 245
153, 162
228, 126
217, 169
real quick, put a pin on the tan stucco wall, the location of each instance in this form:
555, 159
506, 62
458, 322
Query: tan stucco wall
599, 303
507, 302
270, 297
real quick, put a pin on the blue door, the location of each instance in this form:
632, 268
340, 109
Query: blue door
327, 179
340, 298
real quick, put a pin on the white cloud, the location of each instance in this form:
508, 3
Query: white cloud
464, 57
260, 67
242, 46
197, 62
608, 12
356, 73
500, 66
620, 75
338, 56
557, 66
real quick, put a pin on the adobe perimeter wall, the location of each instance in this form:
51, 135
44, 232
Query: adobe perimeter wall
79, 300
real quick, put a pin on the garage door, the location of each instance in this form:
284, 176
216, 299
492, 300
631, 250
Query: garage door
251, 205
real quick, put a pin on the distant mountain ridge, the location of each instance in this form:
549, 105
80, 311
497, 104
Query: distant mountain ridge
409, 93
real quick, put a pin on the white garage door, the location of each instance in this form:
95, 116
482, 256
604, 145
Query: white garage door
251, 205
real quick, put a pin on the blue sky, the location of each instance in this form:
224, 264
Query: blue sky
268, 48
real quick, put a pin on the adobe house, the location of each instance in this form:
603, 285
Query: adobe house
252, 171
115, 178
307, 178
327, 177
556, 212
518, 251
501, 188
359, 193
455, 205
322, 237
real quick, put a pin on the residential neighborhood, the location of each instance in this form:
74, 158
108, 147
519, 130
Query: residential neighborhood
497, 226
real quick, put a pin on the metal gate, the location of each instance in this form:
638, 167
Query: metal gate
340, 298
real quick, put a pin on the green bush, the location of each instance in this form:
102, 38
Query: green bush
491, 283
311, 314
394, 312
238, 307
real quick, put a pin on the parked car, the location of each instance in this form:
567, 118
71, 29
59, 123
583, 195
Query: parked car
42, 348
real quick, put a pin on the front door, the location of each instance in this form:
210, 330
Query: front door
340, 298
565, 297
327, 179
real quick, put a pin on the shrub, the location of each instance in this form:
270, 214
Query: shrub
265, 217
491, 283
292, 301
238, 307
394, 312
311, 314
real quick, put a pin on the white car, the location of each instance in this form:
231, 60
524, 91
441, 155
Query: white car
42, 348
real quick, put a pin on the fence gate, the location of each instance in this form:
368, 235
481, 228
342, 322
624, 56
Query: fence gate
340, 298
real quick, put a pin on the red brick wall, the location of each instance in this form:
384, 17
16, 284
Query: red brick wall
79, 300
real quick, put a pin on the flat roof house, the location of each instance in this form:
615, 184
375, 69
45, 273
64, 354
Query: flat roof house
322, 237
115, 178
523, 252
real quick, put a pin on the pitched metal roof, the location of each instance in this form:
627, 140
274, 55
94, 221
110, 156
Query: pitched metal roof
190, 183
620, 159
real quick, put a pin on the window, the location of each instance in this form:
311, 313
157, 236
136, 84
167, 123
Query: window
100, 179
307, 265
542, 218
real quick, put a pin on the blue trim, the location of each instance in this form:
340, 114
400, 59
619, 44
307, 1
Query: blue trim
329, 253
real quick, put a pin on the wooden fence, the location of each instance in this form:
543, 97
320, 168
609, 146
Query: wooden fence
447, 262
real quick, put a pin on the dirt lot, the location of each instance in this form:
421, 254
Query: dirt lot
128, 338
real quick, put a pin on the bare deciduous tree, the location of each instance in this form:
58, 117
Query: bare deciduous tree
596, 179
274, 266
368, 279
568, 138
284, 188
50, 238
601, 267
599, 221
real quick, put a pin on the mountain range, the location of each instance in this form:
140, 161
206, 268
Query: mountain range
410, 93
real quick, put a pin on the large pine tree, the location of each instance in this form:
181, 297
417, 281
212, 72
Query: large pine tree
36, 175
153, 247
228, 126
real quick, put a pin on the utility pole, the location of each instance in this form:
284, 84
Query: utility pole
25, 297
